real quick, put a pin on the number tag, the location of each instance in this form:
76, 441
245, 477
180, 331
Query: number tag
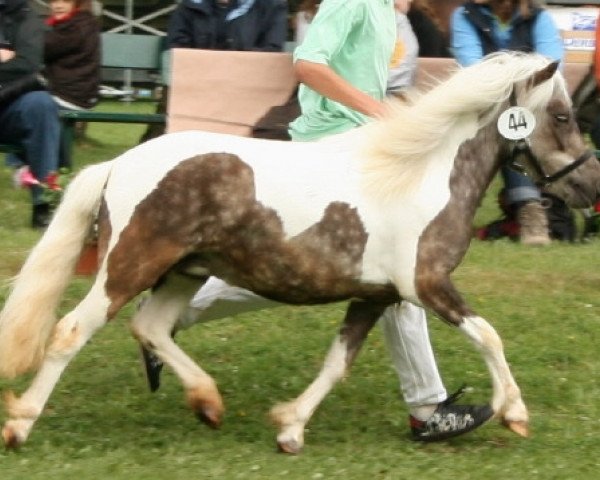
516, 123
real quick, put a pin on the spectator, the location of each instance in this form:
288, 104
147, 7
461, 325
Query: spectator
257, 25
244, 25
429, 29
306, 12
72, 54
30, 118
595, 127
482, 27
403, 64
72, 57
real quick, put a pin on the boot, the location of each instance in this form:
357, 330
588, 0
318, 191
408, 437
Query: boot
40, 216
534, 224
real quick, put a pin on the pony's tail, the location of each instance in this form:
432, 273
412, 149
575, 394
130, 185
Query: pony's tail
28, 317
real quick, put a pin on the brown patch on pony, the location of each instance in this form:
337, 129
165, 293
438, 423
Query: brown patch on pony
446, 239
543, 75
204, 215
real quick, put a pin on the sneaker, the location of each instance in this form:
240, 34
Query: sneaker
23, 178
450, 420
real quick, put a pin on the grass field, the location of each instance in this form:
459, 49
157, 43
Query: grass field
101, 421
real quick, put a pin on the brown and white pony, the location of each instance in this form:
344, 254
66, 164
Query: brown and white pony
377, 215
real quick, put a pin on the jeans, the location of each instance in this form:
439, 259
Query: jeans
519, 187
32, 120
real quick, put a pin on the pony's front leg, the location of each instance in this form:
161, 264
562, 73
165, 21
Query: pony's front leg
291, 417
439, 294
70, 334
507, 402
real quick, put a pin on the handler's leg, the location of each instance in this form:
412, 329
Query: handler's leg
433, 415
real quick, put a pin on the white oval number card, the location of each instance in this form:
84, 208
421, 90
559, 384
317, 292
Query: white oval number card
516, 123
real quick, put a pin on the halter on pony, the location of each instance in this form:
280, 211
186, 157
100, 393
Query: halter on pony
520, 148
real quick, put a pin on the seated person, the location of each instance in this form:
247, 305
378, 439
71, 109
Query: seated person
30, 118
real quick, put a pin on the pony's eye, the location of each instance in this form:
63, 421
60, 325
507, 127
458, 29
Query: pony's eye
561, 117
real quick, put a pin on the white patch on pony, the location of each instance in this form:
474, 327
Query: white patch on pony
284, 174
409, 212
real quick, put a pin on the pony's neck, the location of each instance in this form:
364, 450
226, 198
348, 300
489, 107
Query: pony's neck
475, 166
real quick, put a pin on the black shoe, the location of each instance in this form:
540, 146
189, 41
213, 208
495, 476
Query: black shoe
450, 420
153, 366
40, 216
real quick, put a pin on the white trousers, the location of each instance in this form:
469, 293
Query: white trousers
404, 327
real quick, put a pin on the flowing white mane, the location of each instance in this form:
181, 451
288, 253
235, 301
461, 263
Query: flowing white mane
400, 146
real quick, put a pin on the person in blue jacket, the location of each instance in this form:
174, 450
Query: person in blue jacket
482, 27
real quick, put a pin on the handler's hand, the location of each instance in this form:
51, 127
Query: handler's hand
378, 109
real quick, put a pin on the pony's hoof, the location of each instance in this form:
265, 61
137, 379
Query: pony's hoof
292, 446
208, 408
521, 428
210, 417
12, 440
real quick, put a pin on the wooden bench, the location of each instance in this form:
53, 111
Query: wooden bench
120, 51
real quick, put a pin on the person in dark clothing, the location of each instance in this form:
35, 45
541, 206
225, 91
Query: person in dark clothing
72, 54
72, 59
30, 118
241, 25
432, 38
257, 25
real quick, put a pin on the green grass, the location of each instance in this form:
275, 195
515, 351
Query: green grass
101, 422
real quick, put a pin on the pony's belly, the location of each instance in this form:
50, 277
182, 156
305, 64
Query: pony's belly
286, 282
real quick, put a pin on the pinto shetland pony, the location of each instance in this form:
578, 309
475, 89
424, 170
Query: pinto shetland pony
377, 215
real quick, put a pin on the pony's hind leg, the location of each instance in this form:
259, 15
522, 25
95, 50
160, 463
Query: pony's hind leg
69, 336
291, 417
153, 324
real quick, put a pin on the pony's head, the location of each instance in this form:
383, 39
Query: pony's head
550, 149
525, 93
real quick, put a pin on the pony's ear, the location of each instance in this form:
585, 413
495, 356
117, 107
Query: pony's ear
542, 75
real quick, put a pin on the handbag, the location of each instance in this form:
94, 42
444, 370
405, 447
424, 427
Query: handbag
15, 88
